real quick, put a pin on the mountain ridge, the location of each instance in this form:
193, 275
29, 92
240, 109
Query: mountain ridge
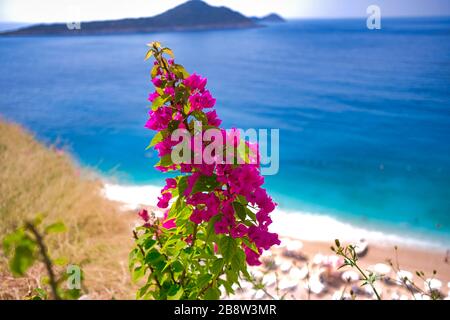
191, 15
270, 18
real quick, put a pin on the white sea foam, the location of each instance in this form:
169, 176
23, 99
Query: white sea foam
295, 224
132, 196
319, 227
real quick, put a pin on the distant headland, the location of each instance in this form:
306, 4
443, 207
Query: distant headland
271, 18
191, 15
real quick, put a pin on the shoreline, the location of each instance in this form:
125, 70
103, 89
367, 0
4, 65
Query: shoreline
318, 268
301, 225
307, 238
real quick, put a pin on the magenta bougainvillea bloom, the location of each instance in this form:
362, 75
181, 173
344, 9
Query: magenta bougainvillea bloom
165, 147
235, 187
159, 119
153, 96
213, 120
168, 223
157, 83
164, 199
169, 91
252, 256
195, 83
166, 195
200, 101
144, 215
170, 184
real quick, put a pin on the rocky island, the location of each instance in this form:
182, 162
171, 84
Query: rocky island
271, 18
191, 15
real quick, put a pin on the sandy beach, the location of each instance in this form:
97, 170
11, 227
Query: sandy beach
312, 272
305, 267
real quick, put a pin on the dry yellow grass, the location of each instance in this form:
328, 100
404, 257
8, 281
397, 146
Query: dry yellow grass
37, 179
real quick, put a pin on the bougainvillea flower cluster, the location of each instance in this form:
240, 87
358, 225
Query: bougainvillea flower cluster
231, 195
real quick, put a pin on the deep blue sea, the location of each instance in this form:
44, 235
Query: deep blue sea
364, 116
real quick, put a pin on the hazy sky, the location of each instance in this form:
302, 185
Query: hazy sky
85, 10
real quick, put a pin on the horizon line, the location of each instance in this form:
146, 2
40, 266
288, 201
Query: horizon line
286, 18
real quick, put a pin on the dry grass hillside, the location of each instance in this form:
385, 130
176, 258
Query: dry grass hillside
38, 179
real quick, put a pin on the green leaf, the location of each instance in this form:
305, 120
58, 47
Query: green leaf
142, 291
180, 71
160, 90
169, 52
73, 294
138, 273
250, 213
177, 267
173, 125
227, 247
183, 216
173, 239
41, 294
158, 102
165, 161
174, 209
180, 245
155, 44
203, 280
181, 94
216, 268
148, 55
154, 71
153, 257
56, 228
240, 210
337, 242
11, 240
175, 292
200, 116
205, 183
157, 138
133, 257
23, 259
232, 276
227, 286
242, 200
238, 261
212, 294
210, 227
182, 185
187, 108
149, 243
38, 219
244, 152
60, 261
250, 244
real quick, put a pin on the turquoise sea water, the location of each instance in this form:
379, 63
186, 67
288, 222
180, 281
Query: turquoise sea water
364, 116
